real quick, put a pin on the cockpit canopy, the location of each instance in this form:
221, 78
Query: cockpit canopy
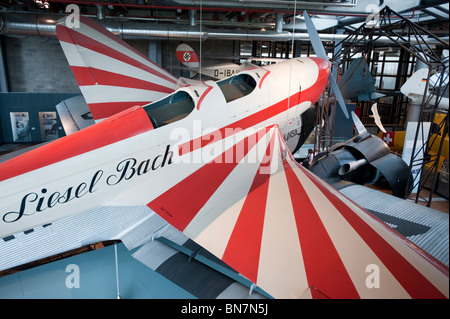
170, 109
237, 86
180, 104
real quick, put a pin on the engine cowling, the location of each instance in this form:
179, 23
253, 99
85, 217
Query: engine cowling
363, 160
296, 133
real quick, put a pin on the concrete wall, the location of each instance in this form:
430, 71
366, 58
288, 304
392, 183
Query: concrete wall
33, 104
37, 65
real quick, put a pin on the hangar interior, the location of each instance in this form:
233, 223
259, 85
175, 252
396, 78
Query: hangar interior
35, 75
406, 36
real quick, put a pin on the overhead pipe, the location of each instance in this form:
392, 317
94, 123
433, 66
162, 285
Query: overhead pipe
28, 24
279, 23
45, 26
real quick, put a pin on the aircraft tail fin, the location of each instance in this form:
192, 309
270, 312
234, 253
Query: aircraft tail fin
111, 74
414, 88
187, 56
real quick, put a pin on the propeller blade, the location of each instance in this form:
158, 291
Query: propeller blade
320, 52
338, 95
314, 37
358, 124
377, 118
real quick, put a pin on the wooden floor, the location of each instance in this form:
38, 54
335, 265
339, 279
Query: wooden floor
8, 151
437, 202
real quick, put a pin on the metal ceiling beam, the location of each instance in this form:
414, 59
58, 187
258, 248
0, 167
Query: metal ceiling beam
440, 8
438, 15
404, 7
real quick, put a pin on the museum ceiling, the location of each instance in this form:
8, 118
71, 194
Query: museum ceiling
330, 16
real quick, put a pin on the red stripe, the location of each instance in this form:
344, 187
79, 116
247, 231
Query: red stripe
180, 56
122, 126
324, 268
93, 76
244, 246
203, 95
71, 36
407, 275
104, 110
264, 77
83, 75
226, 131
182, 202
323, 65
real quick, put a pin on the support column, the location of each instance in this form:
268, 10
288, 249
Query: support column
154, 51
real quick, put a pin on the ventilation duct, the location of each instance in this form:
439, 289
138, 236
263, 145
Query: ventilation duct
28, 24
15, 24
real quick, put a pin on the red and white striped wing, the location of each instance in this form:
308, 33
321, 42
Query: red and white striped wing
111, 74
291, 233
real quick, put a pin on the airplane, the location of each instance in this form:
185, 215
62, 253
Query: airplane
361, 160
414, 89
357, 83
75, 112
211, 160
187, 56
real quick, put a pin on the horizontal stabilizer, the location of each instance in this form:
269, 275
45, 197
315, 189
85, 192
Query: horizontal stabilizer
74, 114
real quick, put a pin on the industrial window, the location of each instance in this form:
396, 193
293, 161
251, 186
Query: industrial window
237, 86
170, 109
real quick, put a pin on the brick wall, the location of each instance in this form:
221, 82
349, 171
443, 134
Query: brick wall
37, 65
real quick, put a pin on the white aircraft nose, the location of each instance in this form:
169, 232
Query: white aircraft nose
323, 65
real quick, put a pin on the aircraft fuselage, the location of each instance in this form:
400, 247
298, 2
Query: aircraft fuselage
130, 158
